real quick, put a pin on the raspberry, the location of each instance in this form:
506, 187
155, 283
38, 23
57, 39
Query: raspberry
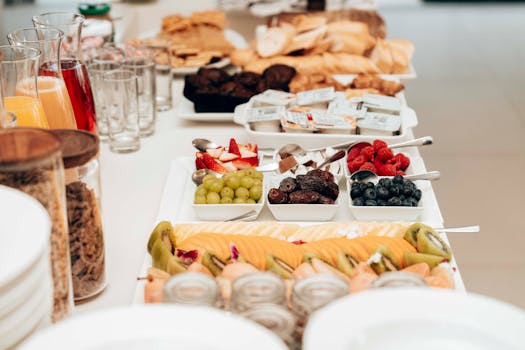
356, 163
387, 170
368, 166
368, 153
378, 144
377, 163
354, 152
384, 154
400, 172
402, 161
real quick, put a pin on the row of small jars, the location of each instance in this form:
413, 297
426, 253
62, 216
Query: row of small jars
60, 169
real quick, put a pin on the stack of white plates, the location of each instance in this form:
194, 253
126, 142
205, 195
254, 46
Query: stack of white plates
413, 319
25, 275
158, 327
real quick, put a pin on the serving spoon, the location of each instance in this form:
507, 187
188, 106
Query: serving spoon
367, 175
203, 144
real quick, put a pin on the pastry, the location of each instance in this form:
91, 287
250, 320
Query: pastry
382, 57
304, 23
273, 42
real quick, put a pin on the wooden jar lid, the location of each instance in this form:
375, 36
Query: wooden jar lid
78, 147
20, 146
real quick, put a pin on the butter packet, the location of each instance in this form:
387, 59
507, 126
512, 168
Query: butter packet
317, 96
274, 98
382, 104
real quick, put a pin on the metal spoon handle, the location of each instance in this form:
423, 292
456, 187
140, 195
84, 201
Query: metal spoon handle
268, 167
334, 157
422, 141
465, 229
243, 216
431, 175
343, 146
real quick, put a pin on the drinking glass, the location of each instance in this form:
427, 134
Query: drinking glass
96, 72
19, 69
164, 78
120, 89
144, 69
51, 89
71, 64
7, 119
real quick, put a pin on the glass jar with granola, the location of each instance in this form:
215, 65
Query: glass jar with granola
86, 238
31, 161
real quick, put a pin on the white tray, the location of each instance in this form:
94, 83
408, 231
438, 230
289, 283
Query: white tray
346, 79
309, 140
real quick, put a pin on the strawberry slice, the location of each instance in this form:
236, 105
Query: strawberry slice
228, 157
213, 164
234, 147
247, 154
229, 167
253, 148
241, 164
215, 152
199, 162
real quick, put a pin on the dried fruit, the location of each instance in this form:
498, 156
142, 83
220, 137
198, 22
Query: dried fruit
276, 196
288, 185
304, 197
326, 175
311, 183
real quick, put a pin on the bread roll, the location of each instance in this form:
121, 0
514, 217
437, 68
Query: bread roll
402, 52
382, 57
273, 42
242, 57
306, 40
304, 23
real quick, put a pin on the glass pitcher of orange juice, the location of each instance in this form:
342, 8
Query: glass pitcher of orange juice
51, 89
19, 68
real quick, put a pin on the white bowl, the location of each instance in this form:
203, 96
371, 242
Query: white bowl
225, 212
25, 228
300, 212
363, 213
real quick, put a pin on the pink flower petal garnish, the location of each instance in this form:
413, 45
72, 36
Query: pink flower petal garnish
299, 242
234, 252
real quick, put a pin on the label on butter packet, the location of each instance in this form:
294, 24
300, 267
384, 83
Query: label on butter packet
345, 107
382, 104
315, 96
275, 97
259, 114
380, 122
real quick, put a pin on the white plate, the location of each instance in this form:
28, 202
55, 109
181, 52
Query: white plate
156, 327
37, 276
267, 139
231, 35
186, 110
346, 79
410, 319
25, 228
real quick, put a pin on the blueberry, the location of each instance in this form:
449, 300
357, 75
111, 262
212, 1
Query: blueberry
406, 203
370, 193
362, 186
370, 203
394, 202
381, 202
382, 192
409, 183
407, 190
355, 193
370, 185
417, 194
358, 202
398, 179
413, 202
385, 182
394, 190
355, 185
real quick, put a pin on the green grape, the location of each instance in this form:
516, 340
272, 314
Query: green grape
227, 192
233, 182
208, 177
201, 191
216, 186
240, 173
227, 176
239, 201
226, 200
242, 193
258, 175
250, 172
247, 182
256, 192
200, 200
257, 182
213, 198
250, 201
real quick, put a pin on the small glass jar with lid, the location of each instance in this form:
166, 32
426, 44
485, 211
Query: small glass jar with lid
275, 318
399, 279
257, 288
31, 161
191, 288
86, 238
311, 294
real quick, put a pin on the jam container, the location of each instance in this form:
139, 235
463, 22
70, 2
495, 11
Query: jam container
101, 24
86, 236
191, 288
311, 294
275, 318
399, 279
257, 288
31, 161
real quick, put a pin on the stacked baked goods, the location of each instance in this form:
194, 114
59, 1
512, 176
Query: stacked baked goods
313, 46
194, 41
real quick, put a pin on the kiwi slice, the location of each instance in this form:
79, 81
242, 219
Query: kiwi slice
308, 256
175, 265
162, 230
346, 263
415, 258
429, 242
213, 263
160, 255
412, 230
382, 260
278, 266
